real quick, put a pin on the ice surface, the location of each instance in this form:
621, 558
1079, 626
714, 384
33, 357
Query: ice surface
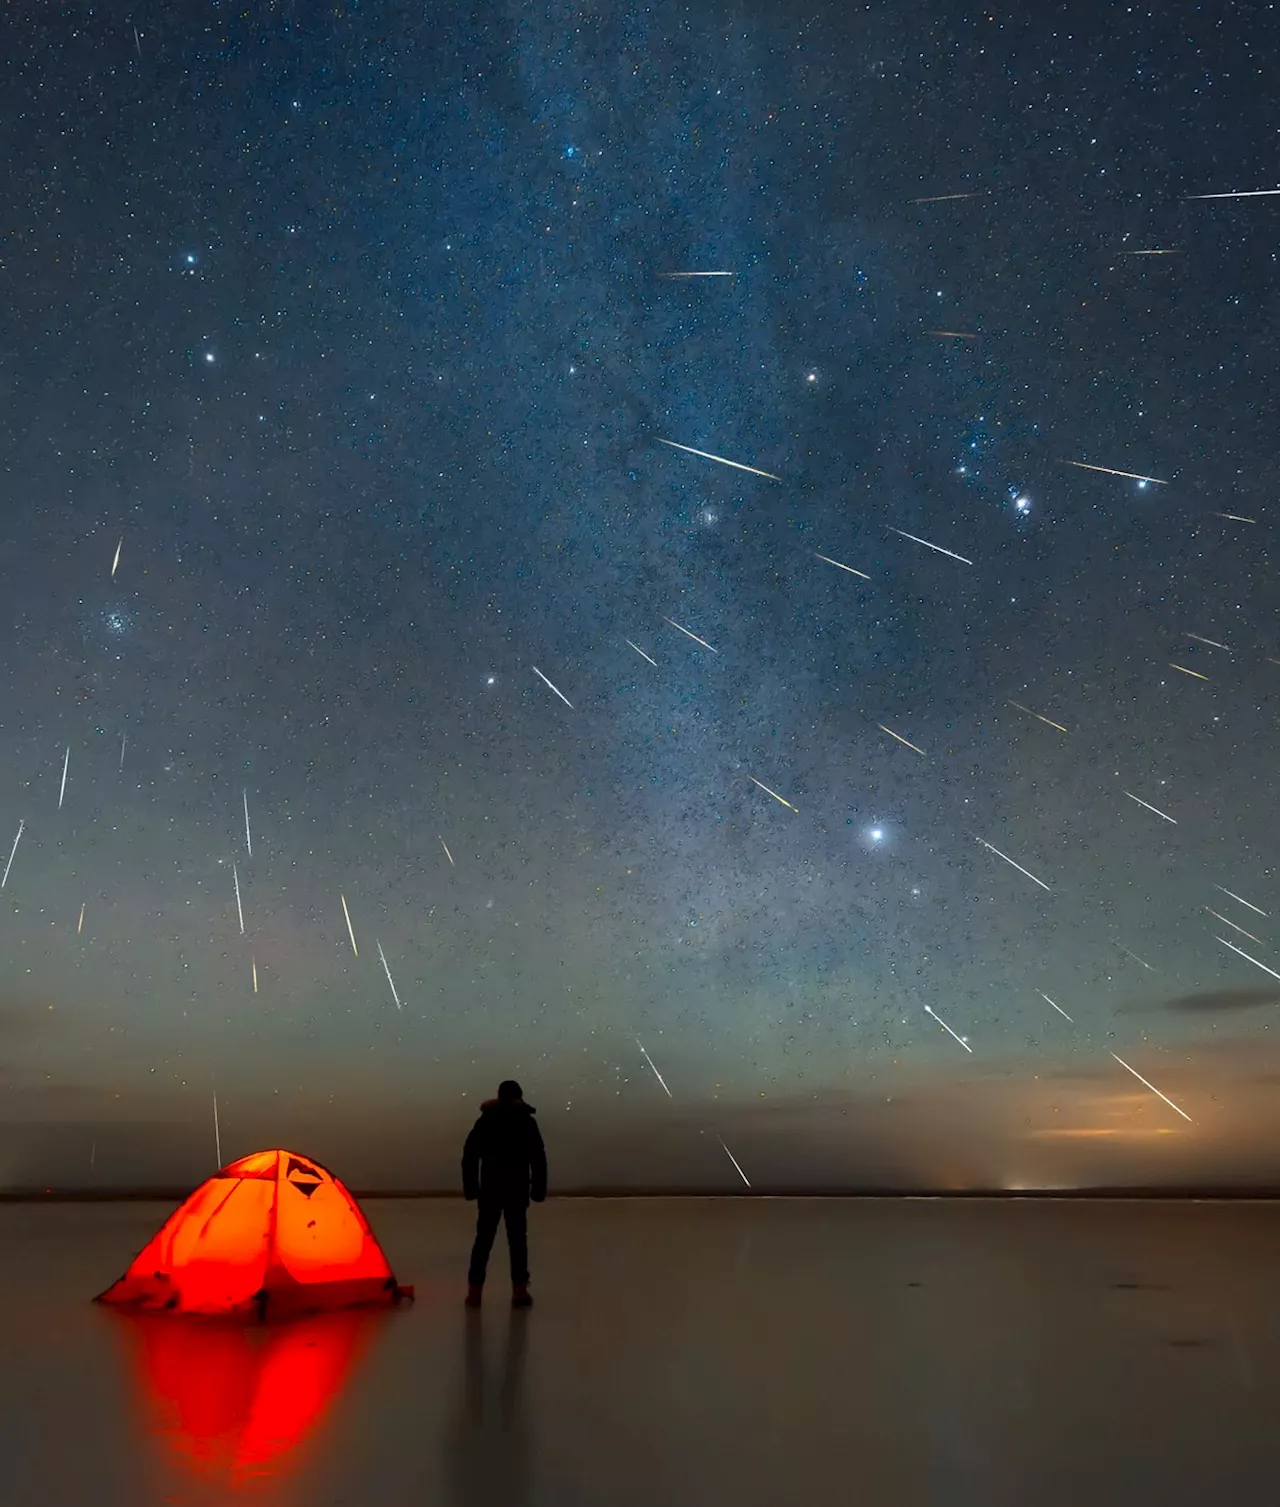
691, 1351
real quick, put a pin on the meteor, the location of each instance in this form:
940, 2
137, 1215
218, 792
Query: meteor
774, 794
1244, 193
1241, 899
734, 1160
557, 690
387, 971
1107, 471
951, 554
1046, 720
350, 929
951, 334
707, 455
906, 743
248, 836
1017, 866
1162, 814
447, 853
640, 652
1218, 916
1195, 674
1247, 958
695, 274
12, 851
829, 561
80, 922
929, 1010
239, 908
944, 198
1212, 642
656, 1073
63, 790
116, 562
1153, 1089
687, 634
1234, 517
1058, 1008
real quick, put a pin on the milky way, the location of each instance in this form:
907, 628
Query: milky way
368, 379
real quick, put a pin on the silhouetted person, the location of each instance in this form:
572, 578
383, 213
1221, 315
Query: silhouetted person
504, 1164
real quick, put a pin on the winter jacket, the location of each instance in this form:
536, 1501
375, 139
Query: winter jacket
504, 1159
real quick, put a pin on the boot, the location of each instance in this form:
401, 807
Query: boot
475, 1292
520, 1295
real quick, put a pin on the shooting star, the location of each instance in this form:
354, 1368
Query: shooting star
1195, 674
115, 564
687, 634
906, 742
1247, 958
656, 1073
950, 554
640, 652
1141, 962
350, 929
1057, 1007
1217, 916
137, 41
839, 566
695, 274
707, 455
1244, 193
447, 853
945, 198
1163, 251
773, 793
1048, 721
1234, 517
1164, 814
1107, 471
248, 836
387, 971
1153, 1089
217, 1130
557, 690
253, 963
929, 1010
1011, 863
951, 334
63, 789
80, 922
1248, 903
123, 736
12, 851
239, 908
734, 1160
1212, 642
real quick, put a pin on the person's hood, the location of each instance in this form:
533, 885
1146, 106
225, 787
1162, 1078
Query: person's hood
490, 1105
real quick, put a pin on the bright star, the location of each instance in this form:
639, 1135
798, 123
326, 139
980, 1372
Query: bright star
208, 355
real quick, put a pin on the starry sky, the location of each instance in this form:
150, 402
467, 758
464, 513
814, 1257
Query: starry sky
862, 806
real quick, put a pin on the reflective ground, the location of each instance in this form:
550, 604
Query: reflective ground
681, 1352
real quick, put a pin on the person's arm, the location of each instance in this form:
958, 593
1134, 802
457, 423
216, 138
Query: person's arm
537, 1164
471, 1165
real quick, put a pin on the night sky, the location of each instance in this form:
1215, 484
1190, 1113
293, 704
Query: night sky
339, 349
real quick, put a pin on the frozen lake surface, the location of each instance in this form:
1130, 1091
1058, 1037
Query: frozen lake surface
683, 1351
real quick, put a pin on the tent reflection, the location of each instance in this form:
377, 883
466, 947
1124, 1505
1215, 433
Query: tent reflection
232, 1403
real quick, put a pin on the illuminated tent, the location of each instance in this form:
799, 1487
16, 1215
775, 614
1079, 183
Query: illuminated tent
272, 1233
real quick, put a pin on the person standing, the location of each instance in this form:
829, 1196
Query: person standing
504, 1165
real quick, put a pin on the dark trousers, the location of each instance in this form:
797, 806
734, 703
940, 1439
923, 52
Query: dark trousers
489, 1215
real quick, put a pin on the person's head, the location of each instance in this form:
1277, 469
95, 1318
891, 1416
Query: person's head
509, 1091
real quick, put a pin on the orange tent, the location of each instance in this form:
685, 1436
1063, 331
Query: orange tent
272, 1233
